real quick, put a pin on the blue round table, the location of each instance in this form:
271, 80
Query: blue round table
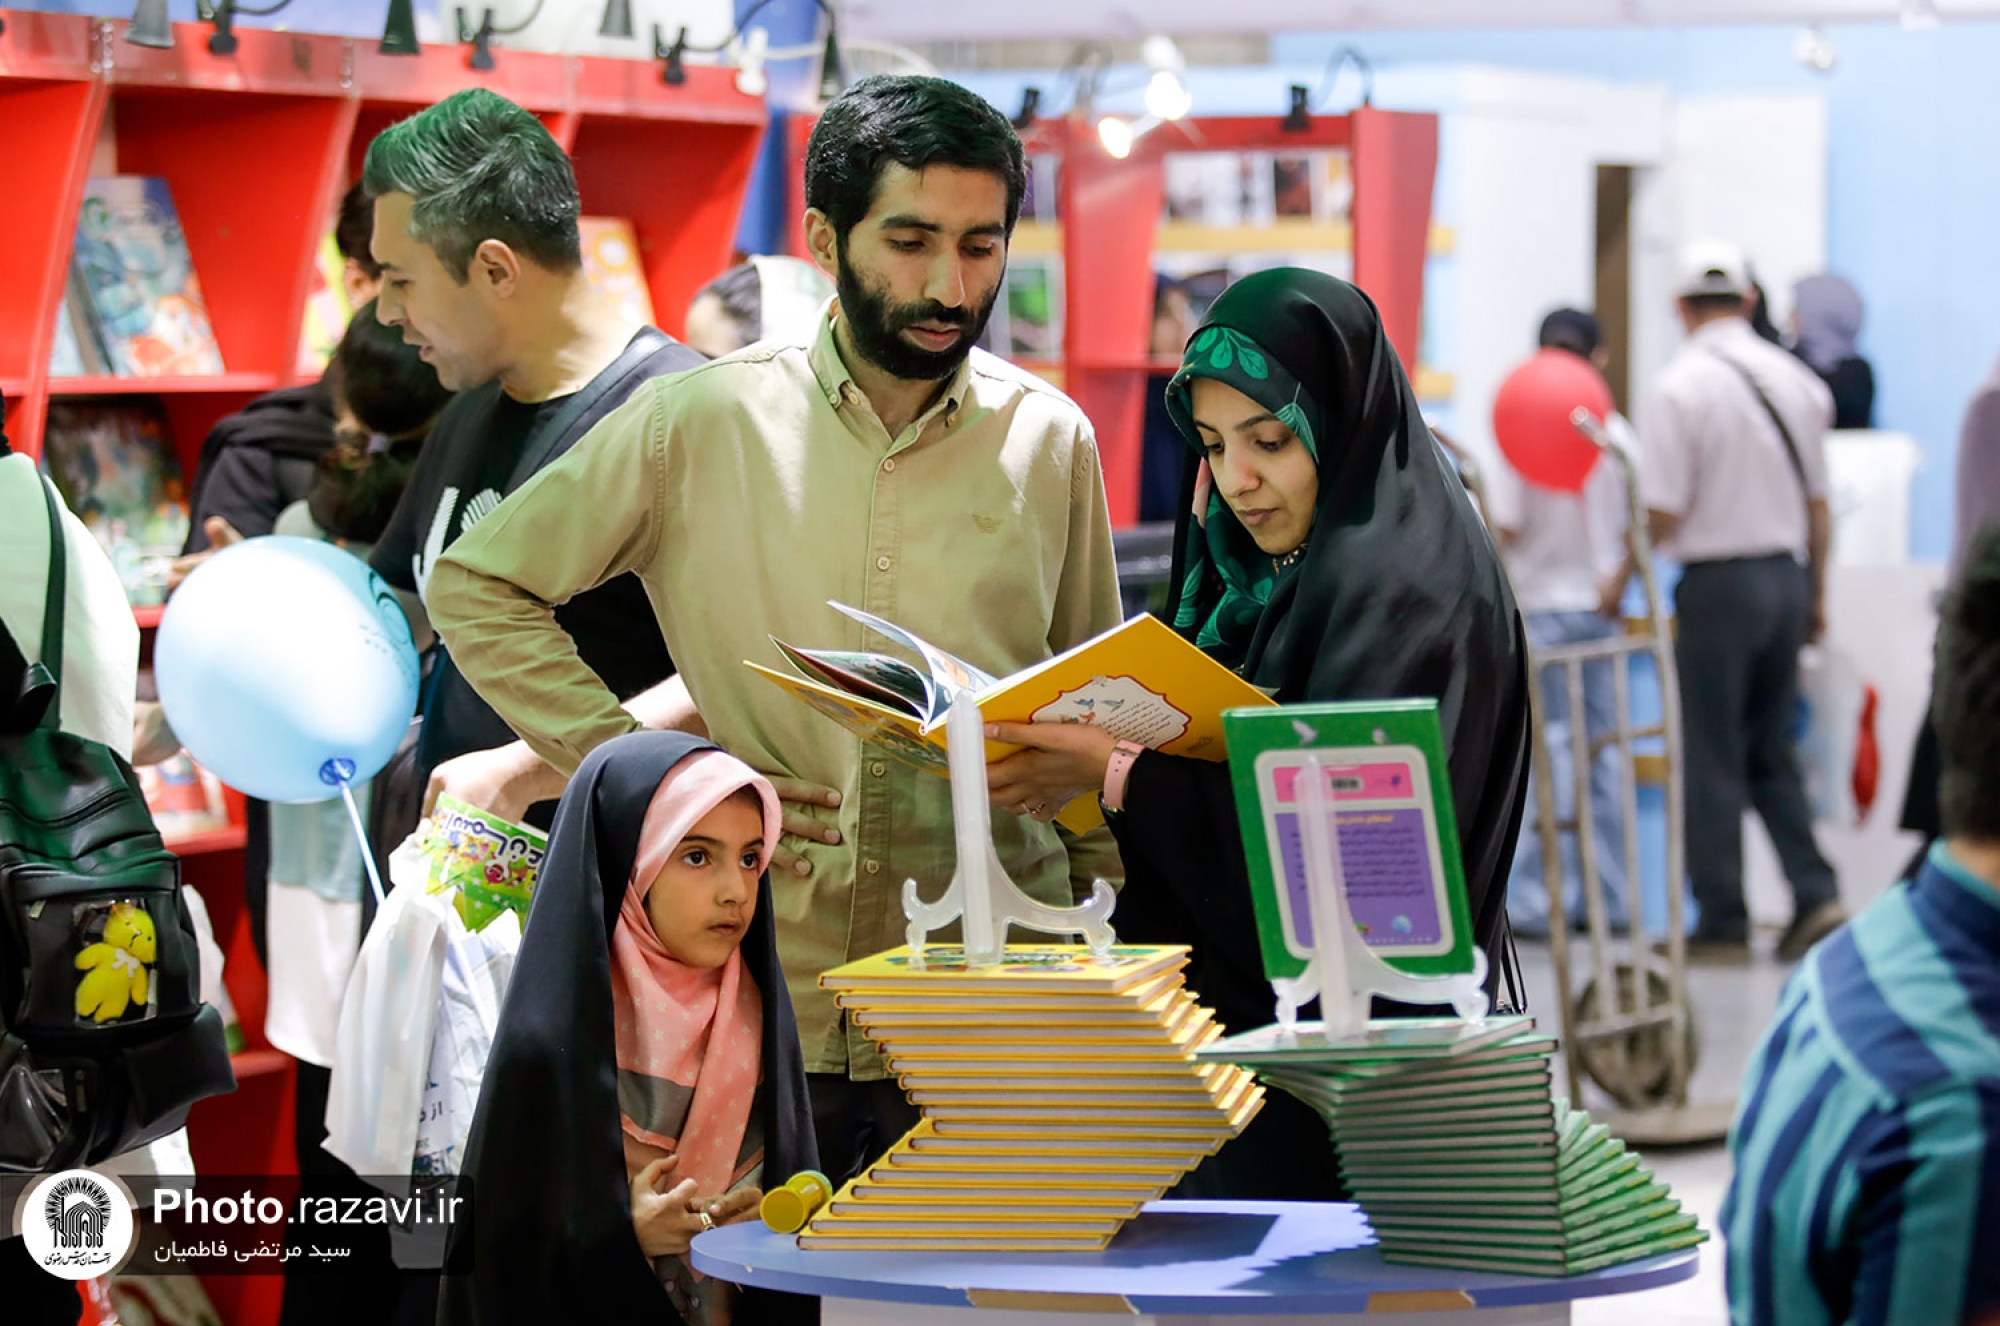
1213, 1262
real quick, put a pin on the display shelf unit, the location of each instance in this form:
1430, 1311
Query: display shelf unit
257, 148
1109, 226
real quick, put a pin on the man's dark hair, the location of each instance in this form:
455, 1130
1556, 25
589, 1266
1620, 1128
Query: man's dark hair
478, 167
1573, 330
386, 386
914, 122
1704, 305
1966, 708
740, 291
393, 396
355, 228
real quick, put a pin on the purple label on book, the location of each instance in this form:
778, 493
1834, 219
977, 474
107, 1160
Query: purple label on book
1391, 886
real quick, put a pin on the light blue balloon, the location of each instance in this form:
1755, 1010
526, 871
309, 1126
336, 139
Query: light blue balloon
280, 657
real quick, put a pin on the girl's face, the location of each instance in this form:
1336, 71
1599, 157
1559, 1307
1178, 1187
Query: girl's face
701, 902
1262, 470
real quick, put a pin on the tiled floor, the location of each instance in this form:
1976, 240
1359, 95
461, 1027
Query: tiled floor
1732, 1005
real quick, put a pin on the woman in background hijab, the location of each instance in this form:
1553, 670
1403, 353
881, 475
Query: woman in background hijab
1325, 551
1826, 311
588, 1072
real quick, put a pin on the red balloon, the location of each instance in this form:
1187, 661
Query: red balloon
1531, 414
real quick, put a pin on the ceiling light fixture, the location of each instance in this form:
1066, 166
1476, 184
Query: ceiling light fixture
1031, 105
1814, 51
151, 26
482, 36
223, 15
748, 57
399, 33
1167, 98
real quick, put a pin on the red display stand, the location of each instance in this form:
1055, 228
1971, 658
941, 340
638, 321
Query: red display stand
257, 148
1109, 210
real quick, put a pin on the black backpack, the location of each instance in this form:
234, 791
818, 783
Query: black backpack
104, 1040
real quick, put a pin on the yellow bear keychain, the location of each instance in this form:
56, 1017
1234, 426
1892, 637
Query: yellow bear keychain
115, 968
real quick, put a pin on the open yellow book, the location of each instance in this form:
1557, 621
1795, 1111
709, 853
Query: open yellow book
1139, 681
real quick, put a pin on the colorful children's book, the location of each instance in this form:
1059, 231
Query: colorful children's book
1393, 825
1053, 967
113, 461
133, 262
327, 309
1139, 681
611, 262
76, 351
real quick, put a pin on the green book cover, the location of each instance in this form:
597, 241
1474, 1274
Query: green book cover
1386, 1039
1507, 1081
1392, 822
1524, 1045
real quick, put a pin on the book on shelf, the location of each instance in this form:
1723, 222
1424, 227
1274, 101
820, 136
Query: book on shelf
113, 461
184, 798
327, 309
1138, 681
1033, 302
133, 264
76, 351
611, 263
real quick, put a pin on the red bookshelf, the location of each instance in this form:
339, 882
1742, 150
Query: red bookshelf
257, 148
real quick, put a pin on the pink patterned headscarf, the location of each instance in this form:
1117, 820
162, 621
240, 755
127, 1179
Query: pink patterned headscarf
685, 1029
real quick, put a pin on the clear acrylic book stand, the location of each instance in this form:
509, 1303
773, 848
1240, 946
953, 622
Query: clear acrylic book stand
981, 894
1344, 974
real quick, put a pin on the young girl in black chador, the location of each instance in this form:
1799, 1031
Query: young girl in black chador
646, 1076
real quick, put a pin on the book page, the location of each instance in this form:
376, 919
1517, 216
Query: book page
949, 674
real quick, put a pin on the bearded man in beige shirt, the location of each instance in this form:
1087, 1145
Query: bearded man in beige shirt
888, 465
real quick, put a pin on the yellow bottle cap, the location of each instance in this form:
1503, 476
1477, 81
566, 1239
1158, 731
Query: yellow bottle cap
785, 1211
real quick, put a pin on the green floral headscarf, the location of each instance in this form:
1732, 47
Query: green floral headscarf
1229, 578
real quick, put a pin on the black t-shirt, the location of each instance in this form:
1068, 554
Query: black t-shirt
466, 467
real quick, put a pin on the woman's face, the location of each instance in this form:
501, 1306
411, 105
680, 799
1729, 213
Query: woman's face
1262, 470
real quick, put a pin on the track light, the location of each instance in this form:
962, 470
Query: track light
150, 26
1814, 51
617, 19
1031, 105
1167, 97
1299, 118
748, 56
223, 14
482, 36
832, 79
399, 33
674, 72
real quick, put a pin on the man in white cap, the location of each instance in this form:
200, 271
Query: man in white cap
1733, 473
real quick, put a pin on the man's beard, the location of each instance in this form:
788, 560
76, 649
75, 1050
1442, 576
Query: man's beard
877, 326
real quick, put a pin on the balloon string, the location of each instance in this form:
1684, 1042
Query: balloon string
361, 836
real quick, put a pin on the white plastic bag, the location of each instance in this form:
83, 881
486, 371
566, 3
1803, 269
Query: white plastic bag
1830, 695
477, 966
382, 1050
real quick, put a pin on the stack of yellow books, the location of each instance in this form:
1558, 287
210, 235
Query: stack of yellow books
1059, 1093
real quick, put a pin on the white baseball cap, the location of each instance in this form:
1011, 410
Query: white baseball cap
1713, 267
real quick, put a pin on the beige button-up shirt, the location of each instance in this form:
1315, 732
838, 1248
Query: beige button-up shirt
1713, 457
746, 493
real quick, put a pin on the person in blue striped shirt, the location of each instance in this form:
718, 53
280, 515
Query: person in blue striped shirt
1867, 1149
